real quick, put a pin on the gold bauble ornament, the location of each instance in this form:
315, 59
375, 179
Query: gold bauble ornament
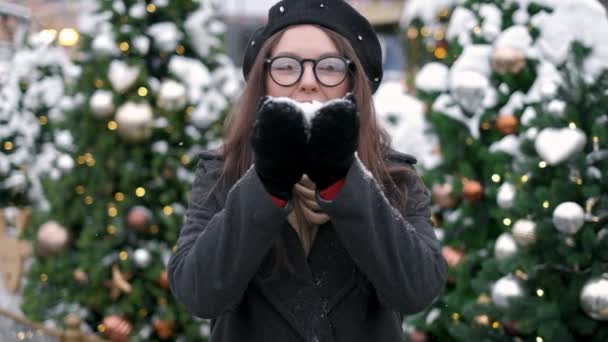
80, 276
507, 124
117, 329
508, 60
472, 191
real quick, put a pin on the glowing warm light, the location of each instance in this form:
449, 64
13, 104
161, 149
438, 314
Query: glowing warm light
68, 37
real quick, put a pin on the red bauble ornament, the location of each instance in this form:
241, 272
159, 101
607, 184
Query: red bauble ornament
139, 218
117, 329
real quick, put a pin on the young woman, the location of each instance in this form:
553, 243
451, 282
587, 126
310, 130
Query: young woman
307, 230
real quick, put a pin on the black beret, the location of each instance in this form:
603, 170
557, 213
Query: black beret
336, 15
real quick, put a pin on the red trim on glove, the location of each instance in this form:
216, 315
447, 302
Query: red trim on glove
281, 203
332, 191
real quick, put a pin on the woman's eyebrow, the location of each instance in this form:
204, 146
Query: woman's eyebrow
295, 55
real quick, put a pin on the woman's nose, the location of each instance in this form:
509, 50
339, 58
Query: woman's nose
308, 81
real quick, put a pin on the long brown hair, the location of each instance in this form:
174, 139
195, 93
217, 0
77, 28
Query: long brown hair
373, 140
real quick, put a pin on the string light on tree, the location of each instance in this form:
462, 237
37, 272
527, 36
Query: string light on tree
68, 37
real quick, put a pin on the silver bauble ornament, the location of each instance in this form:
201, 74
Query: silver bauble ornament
524, 232
51, 239
505, 246
135, 121
142, 257
506, 196
101, 104
594, 298
172, 96
568, 217
506, 289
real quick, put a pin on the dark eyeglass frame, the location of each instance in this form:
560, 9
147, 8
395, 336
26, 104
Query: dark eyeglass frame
349, 67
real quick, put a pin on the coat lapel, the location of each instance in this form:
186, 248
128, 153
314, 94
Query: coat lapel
305, 298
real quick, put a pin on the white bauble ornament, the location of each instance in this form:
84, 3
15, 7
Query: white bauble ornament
506, 195
594, 298
65, 162
142, 257
508, 60
171, 96
556, 145
104, 45
102, 104
51, 238
524, 232
506, 289
469, 88
138, 11
166, 35
122, 76
135, 121
141, 44
568, 217
505, 247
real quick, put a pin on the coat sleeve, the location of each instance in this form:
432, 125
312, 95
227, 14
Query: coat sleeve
396, 250
221, 246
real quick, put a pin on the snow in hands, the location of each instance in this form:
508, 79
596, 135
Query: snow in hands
309, 109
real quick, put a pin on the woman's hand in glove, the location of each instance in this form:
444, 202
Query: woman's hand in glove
334, 137
279, 143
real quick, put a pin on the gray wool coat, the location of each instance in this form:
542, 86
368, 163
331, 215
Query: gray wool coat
227, 237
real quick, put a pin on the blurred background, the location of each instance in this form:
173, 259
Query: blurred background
105, 106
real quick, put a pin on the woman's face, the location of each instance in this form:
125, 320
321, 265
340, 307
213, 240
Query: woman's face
306, 41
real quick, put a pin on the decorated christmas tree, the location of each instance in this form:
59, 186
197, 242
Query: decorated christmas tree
423, 25
154, 87
32, 103
521, 195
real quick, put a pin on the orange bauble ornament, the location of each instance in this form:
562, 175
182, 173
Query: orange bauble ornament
472, 191
117, 329
163, 329
507, 124
163, 279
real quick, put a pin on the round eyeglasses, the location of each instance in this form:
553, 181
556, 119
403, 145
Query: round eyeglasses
329, 71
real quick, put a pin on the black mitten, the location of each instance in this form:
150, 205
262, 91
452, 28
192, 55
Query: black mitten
334, 136
279, 143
